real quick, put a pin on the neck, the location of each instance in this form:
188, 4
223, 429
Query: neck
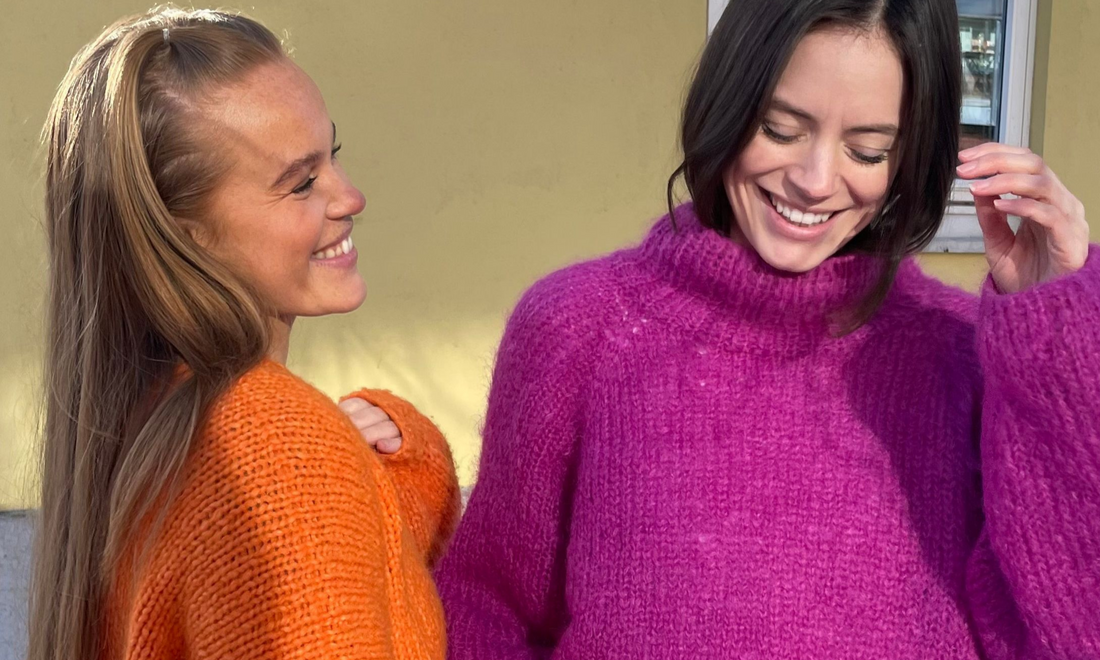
280, 338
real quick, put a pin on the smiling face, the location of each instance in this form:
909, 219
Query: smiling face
818, 169
282, 217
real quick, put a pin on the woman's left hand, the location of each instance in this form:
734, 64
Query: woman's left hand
1053, 238
374, 425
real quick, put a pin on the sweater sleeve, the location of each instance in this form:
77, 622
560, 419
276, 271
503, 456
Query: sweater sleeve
503, 581
423, 474
283, 540
1034, 579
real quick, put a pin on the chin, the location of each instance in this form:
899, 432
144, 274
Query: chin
353, 294
352, 302
344, 303
789, 258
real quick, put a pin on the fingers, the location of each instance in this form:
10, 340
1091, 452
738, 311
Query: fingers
996, 232
368, 417
988, 148
389, 445
1037, 196
354, 404
380, 431
1034, 186
1068, 241
1043, 198
377, 429
1041, 213
1002, 163
384, 436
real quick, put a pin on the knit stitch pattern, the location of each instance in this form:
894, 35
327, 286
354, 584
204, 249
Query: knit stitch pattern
293, 538
682, 459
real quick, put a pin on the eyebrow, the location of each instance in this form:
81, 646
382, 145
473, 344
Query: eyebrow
889, 130
307, 162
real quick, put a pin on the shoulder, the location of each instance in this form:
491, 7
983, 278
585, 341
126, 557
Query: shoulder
272, 432
280, 508
275, 460
566, 310
269, 401
265, 390
937, 316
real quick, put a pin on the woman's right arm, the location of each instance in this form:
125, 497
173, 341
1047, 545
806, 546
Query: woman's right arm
503, 580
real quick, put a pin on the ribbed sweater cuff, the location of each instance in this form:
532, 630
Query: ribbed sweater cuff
1047, 336
423, 472
418, 434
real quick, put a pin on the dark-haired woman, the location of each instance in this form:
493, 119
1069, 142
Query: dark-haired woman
763, 432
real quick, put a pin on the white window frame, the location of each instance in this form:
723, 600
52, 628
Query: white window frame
960, 232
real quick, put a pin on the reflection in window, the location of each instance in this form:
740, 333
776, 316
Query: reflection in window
981, 36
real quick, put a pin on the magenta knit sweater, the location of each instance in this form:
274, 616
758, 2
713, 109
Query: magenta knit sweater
680, 461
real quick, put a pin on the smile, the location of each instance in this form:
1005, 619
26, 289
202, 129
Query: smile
798, 216
340, 249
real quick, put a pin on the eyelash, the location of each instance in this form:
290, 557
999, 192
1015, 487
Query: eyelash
308, 184
779, 137
864, 159
861, 158
305, 187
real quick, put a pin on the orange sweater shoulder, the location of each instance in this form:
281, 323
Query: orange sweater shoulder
287, 539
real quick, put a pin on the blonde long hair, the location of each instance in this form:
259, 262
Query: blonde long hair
131, 298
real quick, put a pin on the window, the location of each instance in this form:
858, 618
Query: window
998, 45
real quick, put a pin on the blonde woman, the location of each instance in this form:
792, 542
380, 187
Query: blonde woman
199, 500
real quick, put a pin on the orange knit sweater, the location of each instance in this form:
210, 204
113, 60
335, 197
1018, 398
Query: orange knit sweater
293, 538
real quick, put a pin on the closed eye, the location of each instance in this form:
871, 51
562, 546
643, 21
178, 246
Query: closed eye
306, 186
778, 136
869, 159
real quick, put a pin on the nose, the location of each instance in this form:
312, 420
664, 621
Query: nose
347, 201
814, 177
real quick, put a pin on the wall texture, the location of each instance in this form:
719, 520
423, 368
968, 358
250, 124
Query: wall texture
495, 141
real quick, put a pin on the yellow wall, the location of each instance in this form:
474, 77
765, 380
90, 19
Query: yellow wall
495, 140
1071, 121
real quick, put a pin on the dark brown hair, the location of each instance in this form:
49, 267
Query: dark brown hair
740, 69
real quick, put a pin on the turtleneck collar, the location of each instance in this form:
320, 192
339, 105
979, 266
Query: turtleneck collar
702, 261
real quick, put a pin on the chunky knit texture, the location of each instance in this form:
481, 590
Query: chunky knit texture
293, 538
681, 461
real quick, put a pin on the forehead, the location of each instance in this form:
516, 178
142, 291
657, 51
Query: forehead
274, 115
841, 72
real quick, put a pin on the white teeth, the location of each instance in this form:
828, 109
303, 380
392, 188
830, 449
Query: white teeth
799, 217
341, 249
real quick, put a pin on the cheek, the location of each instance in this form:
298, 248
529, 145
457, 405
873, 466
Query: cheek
297, 243
278, 254
761, 157
870, 188
760, 164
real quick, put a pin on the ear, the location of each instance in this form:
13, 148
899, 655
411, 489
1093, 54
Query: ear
198, 231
